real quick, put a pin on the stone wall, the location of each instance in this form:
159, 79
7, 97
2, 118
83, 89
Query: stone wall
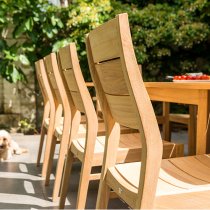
19, 101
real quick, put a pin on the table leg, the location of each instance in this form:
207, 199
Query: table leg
192, 130
208, 129
202, 123
166, 124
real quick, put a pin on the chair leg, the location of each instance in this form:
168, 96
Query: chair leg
60, 166
103, 196
169, 131
83, 184
50, 160
43, 133
47, 150
65, 180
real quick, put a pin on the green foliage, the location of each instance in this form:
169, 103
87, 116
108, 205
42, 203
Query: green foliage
44, 28
27, 127
170, 37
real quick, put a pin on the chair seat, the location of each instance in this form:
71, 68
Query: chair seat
129, 148
47, 122
83, 120
180, 179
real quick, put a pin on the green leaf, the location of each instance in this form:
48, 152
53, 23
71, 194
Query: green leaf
60, 44
15, 75
19, 30
53, 20
3, 44
55, 30
10, 56
29, 24
24, 60
2, 20
36, 19
59, 23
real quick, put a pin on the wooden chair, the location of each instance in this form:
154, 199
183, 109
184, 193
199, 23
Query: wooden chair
55, 118
50, 110
153, 182
41, 77
89, 149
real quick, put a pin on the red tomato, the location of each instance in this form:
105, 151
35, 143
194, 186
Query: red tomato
183, 77
189, 77
198, 77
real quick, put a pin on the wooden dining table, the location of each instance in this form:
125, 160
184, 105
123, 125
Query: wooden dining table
185, 92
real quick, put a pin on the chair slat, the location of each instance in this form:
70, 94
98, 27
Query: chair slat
109, 70
122, 110
105, 39
70, 79
52, 81
78, 101
66, 58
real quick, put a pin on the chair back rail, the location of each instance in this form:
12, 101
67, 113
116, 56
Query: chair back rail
48, 60
38, 66
43, 81
49, 65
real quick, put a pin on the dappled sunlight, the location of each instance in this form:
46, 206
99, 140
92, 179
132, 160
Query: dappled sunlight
26, 200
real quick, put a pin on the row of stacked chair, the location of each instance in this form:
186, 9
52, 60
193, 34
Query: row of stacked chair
137, 165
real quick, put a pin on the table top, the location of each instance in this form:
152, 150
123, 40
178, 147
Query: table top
179, 85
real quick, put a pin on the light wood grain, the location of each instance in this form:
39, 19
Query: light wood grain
106, 71
99, 41
65, 60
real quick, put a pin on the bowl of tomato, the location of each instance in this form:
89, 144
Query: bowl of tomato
191, 78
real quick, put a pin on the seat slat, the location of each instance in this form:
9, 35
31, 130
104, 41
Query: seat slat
205, 159
171, 169
184, 200
167, 183
193, 167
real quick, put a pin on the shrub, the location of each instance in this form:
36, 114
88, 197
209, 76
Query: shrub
169, 38
44, 28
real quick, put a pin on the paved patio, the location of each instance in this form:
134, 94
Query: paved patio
21, 186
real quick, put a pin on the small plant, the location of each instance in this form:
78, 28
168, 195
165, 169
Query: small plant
26, 127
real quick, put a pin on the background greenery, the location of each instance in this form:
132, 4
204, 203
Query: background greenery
170, 37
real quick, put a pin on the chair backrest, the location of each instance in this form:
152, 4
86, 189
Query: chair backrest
71, 70
123, 97
42, 79
45, 88
50, 63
